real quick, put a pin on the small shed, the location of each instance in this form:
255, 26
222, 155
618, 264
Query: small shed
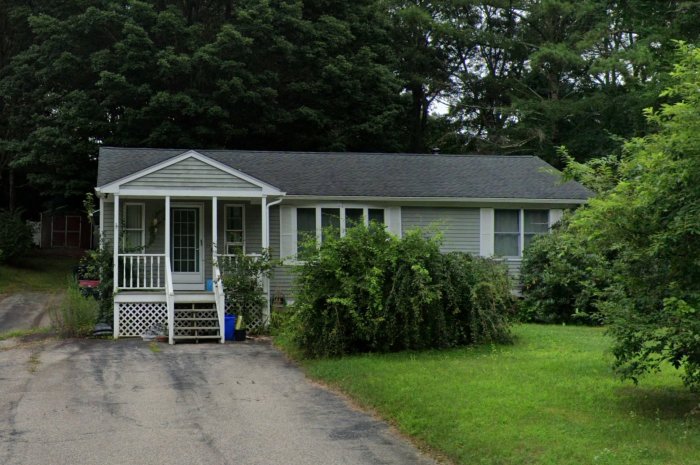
63, 228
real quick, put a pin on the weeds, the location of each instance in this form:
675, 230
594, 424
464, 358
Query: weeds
76, 315
17, 333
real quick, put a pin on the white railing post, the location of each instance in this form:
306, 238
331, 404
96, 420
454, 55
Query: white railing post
116, 242
214, 235
169, 291
170, 302
116, 264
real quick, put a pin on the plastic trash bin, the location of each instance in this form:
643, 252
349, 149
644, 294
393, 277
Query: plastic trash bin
229, 326
210, 285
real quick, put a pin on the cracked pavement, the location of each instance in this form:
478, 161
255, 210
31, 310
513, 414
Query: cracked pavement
118, 402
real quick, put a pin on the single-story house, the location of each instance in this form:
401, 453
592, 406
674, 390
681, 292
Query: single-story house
190, 206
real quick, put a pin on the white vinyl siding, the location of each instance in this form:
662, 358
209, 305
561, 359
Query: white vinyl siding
282, 278
460, 226
191, 174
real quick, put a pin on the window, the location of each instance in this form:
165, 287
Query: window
510, 238
306, 228
353, 216
65, 231
536, 222
507, 233
319, 222
330, 222
375, 215
134, 226
235, 229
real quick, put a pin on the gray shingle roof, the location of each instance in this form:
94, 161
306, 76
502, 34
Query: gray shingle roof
368, 174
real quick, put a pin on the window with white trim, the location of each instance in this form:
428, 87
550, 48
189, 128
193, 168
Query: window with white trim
510, 237
235, 228
134, 226
317, 223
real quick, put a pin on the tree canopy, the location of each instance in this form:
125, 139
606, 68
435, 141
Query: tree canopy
468, 76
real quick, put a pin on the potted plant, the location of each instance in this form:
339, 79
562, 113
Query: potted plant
239, 334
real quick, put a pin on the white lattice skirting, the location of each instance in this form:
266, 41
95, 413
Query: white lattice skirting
254, 313
136, 318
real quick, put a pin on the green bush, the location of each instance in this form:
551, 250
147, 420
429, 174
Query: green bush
76, 316
99, 265
562, 278
372, 292
16, 236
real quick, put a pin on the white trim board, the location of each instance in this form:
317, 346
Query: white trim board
114, 186
470, 200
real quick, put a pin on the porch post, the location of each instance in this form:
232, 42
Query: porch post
102, 218
116, 263
265, 236
214, 228
266, 245
167, 227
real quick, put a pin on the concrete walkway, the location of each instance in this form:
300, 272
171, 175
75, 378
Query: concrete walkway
25, 310
118, 402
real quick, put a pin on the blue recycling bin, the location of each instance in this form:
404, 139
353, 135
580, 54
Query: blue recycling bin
229, 326
210, 285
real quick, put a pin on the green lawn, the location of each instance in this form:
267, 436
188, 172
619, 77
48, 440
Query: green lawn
548, 399
36, 274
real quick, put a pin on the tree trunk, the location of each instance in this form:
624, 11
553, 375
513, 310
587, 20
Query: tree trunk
418, 119
13, 201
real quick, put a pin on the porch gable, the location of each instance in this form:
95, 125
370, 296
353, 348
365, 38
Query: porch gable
190, 173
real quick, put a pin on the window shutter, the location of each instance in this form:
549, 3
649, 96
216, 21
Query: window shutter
393, 220
486, 232
554, 216
286, 233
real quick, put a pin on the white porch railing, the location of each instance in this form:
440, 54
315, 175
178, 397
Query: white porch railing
170, 301
141, 271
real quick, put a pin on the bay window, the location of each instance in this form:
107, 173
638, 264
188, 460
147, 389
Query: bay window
320, 223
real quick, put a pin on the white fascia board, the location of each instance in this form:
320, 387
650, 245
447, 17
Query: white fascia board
222, 194
113, 187
437, 199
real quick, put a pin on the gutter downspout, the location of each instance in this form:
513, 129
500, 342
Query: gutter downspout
267, 214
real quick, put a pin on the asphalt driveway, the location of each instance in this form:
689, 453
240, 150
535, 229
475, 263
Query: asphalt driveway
25, 310
118, 402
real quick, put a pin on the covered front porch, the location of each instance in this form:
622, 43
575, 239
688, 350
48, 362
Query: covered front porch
167, 254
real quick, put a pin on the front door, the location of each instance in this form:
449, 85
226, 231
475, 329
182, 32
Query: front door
187, 242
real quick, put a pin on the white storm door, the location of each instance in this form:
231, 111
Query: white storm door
187, 247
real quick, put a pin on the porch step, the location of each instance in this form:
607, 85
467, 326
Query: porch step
192, 312
198, 328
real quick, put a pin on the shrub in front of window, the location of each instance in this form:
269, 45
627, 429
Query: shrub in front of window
562, 278
370, 291
15, 236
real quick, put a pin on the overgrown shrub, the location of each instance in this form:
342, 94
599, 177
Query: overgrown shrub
372, 292
242, 276
99, 265
76, 316
16, 236
562, 278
